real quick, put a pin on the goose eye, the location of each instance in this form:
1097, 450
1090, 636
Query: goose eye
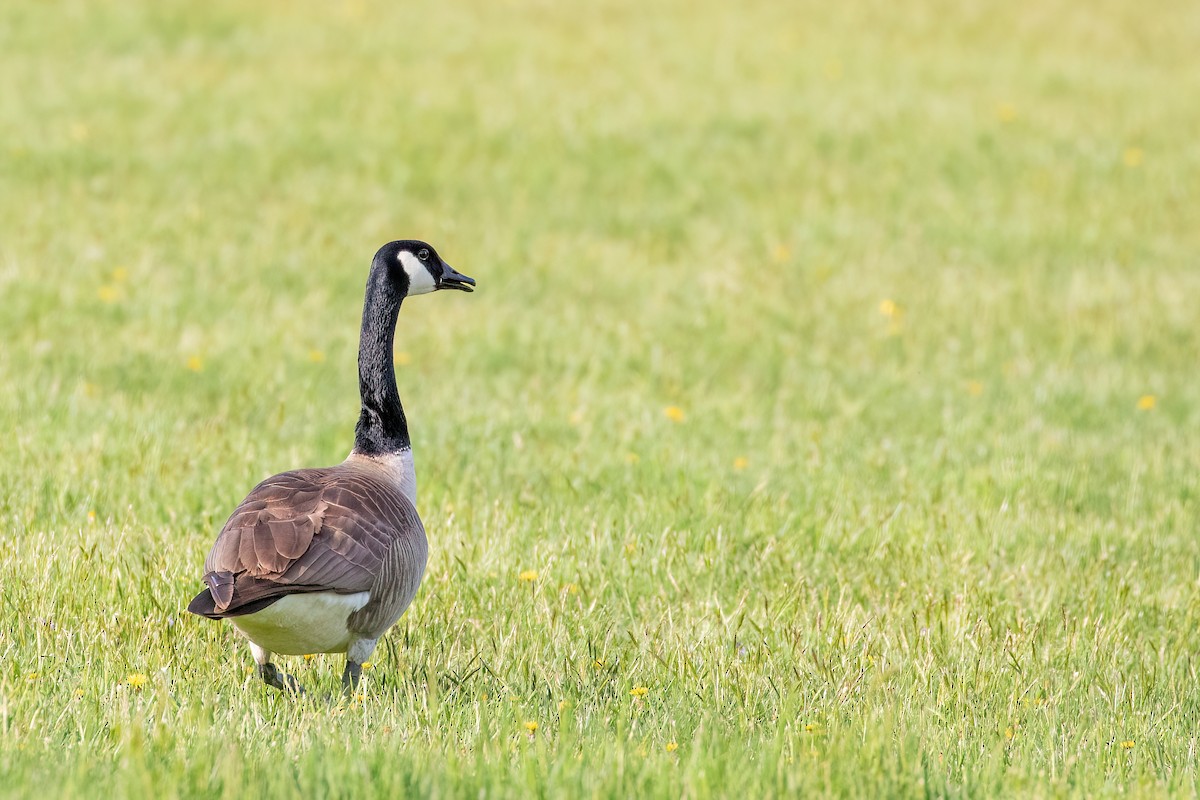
423, 255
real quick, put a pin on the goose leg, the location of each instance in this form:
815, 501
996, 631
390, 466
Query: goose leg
272, 675
350, 676
360, 650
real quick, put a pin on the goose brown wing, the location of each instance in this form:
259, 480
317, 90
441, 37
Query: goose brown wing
309, 530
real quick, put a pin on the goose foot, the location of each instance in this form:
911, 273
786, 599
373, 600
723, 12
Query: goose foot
277, 678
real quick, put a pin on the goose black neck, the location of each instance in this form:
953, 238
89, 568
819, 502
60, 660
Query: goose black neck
382, 427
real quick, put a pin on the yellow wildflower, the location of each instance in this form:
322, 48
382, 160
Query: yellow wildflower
572, 588
1133, 156
316, 356
1009, 733
1127, 744
107, 293
136, 679
528, 576
672, 747
1147, 402
120, 275
33, 676
309, 656
368, 664
894, 314
195, 363
91, 516
740, 463
531, 726
630, 548
674, 413
639, 691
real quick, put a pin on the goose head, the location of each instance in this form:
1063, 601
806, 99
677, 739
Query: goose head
414, 267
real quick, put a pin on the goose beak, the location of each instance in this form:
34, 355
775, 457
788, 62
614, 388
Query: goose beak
455, 280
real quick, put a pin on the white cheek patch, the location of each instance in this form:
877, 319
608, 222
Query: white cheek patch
419, 279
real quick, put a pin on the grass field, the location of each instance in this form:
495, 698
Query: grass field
826, 420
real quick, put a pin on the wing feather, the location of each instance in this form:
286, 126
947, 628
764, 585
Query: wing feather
307, 531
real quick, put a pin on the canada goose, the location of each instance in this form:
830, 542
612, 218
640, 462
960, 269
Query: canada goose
327, 560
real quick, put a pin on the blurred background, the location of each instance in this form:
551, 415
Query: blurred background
787, 219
